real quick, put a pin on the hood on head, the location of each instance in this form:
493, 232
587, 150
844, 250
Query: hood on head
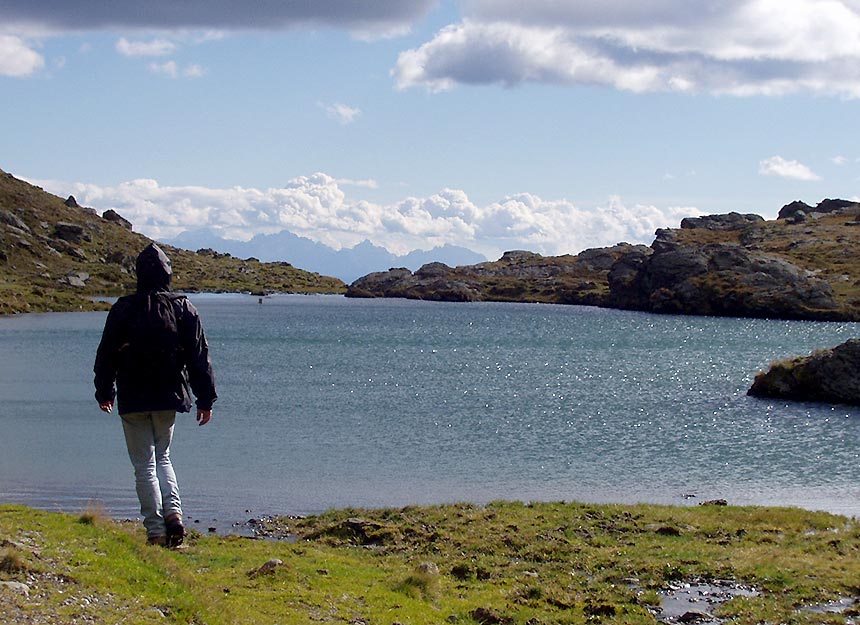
153, 270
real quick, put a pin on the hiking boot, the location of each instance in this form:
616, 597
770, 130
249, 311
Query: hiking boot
175, 531
159, 540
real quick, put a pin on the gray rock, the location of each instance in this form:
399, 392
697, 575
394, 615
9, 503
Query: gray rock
73, 233
267, 568
11, 219
428, 568
665, 240
71, 202
18, 587
718, 279
790, 211
431, 270
729, 221
113, 216
519, 255
799, 211
602, 258
829, 375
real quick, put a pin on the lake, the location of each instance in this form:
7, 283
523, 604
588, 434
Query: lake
333, 402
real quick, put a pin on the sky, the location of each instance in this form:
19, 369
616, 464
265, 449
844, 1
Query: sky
547, 125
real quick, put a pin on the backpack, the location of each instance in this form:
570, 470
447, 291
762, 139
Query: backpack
151, 352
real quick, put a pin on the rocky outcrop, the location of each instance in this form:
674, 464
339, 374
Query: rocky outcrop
430, 282
798, 211
729, 221
518, 276
830, 375
721, 279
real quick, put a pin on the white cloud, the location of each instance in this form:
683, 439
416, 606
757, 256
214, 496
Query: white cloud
839, 160
156, 47
194, 71
168, 68
317, 207
739, 47
341, 113
778, 166
349, 182
172, 70
17, 59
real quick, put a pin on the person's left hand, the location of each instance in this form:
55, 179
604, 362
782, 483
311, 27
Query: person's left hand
203, 416
106, 406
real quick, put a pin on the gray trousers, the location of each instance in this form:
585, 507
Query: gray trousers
148, 436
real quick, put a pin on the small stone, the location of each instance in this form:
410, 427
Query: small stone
428, 568
24, 589
694, 616
267, 568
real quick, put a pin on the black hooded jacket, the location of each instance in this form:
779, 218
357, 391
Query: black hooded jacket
153, 346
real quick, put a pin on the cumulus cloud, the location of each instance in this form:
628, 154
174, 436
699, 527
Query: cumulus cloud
341, 113
155, 47
738, 47
17, 58
778, 166
317, 207
839, 160
378, 17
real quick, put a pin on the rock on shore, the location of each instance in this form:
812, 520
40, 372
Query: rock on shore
722, 279
518, 276
828, 375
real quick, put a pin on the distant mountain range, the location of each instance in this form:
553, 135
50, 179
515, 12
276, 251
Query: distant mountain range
348, 264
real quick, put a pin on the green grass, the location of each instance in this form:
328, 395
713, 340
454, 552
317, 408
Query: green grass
518, 563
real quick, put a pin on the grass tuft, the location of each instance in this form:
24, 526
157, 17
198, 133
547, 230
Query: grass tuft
12, 562
94, 514
422, 583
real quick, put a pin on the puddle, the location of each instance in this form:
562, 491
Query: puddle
840, 606
695, 602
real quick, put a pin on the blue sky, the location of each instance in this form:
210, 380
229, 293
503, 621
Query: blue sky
493, 124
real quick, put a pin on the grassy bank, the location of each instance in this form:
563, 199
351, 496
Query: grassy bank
499, 563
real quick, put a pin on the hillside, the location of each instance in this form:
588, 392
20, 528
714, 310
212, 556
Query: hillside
803, 265
56, 255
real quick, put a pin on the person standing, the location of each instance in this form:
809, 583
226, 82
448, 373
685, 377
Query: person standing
152, 355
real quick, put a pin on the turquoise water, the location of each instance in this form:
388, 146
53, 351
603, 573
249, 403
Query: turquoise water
329, 402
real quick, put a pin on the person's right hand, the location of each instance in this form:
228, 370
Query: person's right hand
106, 406
203, 416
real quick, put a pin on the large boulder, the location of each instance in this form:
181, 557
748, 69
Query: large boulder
797, 210
829, 375
111, 215
11, 219
729, 221
722, 279
72, 233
